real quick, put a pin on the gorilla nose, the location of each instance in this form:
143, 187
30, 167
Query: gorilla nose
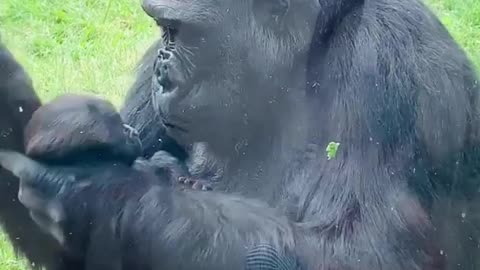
163, 54
162, 70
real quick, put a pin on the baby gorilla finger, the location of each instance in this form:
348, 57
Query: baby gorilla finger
197, 184
131, 131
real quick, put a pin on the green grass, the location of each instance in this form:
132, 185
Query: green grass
462, 18
85, 46
92, 46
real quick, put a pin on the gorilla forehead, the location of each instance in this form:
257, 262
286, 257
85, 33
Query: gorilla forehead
211, 12
260, 35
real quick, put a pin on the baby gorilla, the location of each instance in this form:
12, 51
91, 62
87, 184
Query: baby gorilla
83, 129
81, 205
76, 129
108, 216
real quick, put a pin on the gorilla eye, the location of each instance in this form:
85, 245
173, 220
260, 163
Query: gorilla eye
169, 30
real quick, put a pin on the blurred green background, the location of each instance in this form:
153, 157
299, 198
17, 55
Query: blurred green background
92, 46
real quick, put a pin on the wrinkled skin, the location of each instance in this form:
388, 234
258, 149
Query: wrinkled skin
268, 83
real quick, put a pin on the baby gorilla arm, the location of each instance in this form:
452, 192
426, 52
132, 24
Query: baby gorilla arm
208, 230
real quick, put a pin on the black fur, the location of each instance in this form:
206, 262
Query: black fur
17, 103
88, 134
76, 128
382, 77
111, 216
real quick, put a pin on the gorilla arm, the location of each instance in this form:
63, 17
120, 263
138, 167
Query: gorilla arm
156, 226
210, 230
167, 227
16, 89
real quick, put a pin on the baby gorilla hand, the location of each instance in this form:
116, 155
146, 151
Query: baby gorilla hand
130, 131
195, 183
179, 171
162, 162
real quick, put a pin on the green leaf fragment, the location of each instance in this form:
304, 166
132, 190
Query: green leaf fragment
332, 148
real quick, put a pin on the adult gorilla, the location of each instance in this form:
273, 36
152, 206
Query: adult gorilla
260, 81
266, 84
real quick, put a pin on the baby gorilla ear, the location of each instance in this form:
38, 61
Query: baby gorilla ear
35, 182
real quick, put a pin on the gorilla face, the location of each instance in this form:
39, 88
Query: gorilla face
224, 74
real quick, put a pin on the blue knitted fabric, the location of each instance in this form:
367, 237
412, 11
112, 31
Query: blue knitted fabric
265, 257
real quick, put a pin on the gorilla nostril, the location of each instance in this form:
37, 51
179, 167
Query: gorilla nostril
162, 69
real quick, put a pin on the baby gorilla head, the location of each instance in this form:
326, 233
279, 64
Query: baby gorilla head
75, 129
78, 128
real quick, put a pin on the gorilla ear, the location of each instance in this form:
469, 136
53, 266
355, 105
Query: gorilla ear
266, 10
